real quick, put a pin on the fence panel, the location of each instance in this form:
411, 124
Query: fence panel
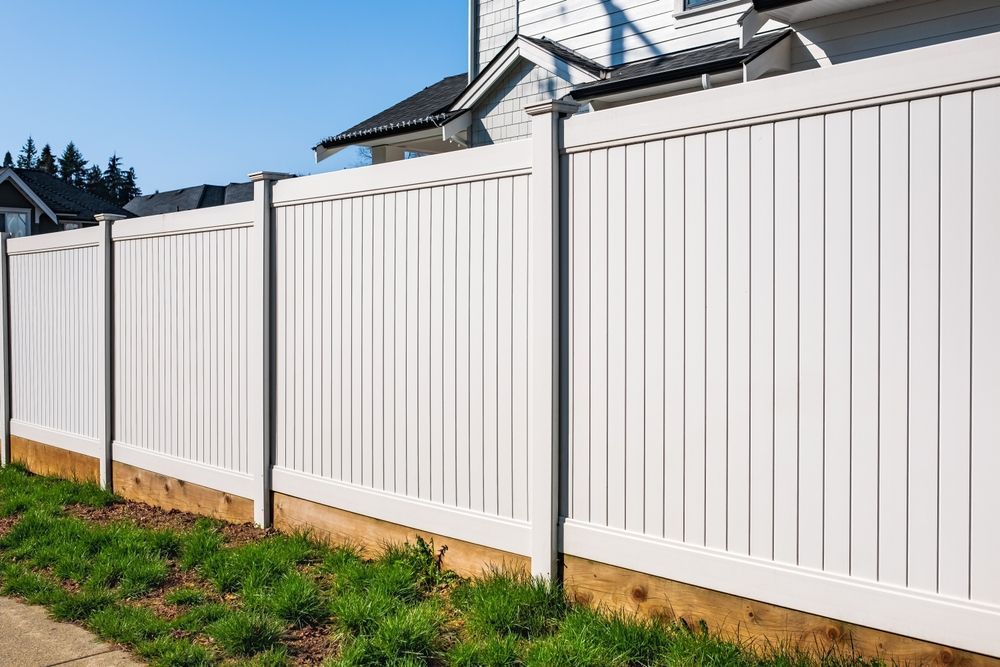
54, 319
181, 349
790, 305
388, 301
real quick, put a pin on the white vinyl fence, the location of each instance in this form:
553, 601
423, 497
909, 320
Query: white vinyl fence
745, 339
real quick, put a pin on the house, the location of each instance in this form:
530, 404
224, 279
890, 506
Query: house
186, 199
605, 53
35, 202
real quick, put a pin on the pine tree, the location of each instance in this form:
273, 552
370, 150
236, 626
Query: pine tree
114, 179
28, 157
8, 161
46, 160
72, 166
131, 188
93, 182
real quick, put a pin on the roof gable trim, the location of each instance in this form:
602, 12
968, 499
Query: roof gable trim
517, 48
7, 174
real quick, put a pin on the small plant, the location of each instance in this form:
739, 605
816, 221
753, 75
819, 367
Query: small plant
199, 617
246, 633
297, 600
185, 597
491, 652
127, 625
510, 602
412, 636
175, 652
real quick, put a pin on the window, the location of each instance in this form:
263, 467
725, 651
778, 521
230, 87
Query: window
15, 221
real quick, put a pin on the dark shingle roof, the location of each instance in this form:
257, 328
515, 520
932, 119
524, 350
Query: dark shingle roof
428, 108
680, 65
186, 199
66, 200
569, 55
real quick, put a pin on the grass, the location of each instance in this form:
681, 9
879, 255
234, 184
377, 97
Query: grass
187, 598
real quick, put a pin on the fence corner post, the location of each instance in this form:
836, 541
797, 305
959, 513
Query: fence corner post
544, 273
105, 324
260, 344
4, 352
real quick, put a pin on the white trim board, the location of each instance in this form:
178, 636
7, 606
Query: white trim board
72, 442
960, 623
462, 524
193, 472
84, 237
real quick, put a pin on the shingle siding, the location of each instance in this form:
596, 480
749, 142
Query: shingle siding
501, 116
497, 22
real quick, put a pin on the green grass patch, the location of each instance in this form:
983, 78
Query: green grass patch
510, 602
238, 605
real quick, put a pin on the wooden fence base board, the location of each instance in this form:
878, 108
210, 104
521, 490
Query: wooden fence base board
169, 493
338, 526
45, 459
745, 620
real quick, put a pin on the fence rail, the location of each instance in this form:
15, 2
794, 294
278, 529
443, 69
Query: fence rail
744, 339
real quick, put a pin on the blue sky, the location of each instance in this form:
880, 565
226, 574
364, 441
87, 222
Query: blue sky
191, 91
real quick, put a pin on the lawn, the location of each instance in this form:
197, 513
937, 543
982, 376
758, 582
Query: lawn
179, 590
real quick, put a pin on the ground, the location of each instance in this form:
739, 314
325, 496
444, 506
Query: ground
179, 590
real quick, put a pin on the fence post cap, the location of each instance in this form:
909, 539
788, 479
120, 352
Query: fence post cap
268, 176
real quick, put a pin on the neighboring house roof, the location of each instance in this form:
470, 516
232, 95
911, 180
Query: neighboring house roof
680, 65
426, 109
186, 199
67, 201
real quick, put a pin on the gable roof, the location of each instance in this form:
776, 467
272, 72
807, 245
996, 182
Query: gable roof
680, 65
426, 109
186, 199
65, 199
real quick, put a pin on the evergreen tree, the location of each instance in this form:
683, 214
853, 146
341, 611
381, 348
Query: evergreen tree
93, 182
72, 166
28, 157
131, 188
8, 161
46, 160
114, 179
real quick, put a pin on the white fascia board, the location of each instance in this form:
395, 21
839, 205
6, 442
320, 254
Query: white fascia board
8, 174
508, 58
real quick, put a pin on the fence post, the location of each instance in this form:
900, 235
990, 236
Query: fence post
260, 345
4, 351
543, 333
105, 324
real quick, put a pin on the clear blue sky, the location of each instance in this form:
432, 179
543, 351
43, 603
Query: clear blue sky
198, 91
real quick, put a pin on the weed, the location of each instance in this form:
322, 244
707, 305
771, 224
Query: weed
246, 633
510, 602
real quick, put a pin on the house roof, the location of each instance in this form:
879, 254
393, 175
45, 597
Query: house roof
680, 65
186, 199
428, 108
66, 200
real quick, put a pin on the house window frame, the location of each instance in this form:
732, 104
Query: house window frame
14, 209
681, 10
